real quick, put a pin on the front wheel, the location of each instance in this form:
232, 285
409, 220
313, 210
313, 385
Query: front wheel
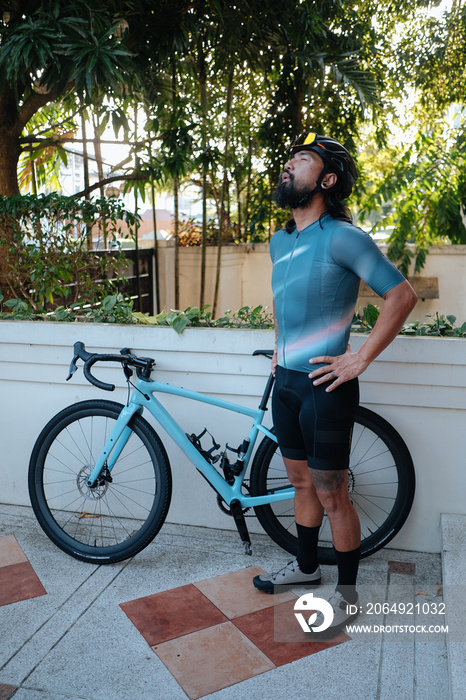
381, 485
123, 512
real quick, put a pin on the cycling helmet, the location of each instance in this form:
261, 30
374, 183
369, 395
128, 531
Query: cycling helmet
335, 156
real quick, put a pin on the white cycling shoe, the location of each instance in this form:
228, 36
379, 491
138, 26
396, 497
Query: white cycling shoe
343, 613
289, 575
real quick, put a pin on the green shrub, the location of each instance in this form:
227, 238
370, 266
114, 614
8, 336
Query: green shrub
46, 249
114, 308
440, 325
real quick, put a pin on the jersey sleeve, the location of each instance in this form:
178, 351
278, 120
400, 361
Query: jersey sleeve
273, 245
354, 249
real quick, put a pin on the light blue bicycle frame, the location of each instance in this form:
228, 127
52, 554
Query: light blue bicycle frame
142, 397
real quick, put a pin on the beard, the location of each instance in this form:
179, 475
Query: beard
288, 194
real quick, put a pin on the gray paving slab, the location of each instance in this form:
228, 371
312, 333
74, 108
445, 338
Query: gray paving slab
75, 643
454, 577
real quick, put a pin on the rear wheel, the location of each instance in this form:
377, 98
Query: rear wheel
381, 485
119, 516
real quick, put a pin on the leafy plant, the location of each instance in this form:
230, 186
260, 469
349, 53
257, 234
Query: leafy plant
46, 256
246, 317
115, 308
190, 233
441, 326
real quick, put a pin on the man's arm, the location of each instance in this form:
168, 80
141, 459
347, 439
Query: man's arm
399, 302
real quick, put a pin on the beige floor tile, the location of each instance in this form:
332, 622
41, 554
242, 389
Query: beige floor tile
235, 595
211, 659
10, 551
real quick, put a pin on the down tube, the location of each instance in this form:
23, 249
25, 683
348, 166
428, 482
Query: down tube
178, 435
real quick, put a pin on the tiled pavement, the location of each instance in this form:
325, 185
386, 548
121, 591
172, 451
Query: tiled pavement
182, 620
198, 629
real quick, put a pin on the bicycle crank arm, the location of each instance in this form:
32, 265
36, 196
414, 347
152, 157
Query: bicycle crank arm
237, 512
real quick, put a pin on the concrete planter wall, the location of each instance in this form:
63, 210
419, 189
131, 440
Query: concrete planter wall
416, 384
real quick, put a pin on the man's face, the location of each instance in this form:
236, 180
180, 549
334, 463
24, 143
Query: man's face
298, 179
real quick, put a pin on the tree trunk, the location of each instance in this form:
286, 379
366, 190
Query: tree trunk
240, 212
224, 189
100, 170
177, 244
249, 181
10, 151
157, 308
205, 107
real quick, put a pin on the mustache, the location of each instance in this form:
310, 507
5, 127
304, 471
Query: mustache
290, 177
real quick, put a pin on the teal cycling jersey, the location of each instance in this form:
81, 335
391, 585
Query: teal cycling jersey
315, 281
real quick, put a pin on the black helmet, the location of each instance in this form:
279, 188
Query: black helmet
335, 156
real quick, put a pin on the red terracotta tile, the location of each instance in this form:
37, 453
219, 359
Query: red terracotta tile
19, 582
211, 659
235, 595
172, 613
402, 567
277, 633
10, 551
7, 691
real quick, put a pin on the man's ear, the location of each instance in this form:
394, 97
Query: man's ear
329, 181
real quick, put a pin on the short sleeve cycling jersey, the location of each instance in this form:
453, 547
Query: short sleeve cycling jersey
315, 282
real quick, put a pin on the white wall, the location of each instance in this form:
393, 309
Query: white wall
246, 274
417, 384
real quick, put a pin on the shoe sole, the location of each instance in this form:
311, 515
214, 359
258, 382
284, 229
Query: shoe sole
266, 587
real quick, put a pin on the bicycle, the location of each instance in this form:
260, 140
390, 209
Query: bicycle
100, 480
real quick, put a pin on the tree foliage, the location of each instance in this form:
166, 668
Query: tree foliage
225, 87
417, 181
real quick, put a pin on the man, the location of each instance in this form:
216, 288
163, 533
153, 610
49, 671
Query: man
318, 261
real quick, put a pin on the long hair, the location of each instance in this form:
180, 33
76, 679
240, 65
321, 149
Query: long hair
336, 207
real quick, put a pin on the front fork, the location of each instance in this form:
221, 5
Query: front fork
114, 445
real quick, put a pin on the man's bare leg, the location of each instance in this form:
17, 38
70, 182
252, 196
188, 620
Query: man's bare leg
332, 491
331, 488
308, 515
308, 509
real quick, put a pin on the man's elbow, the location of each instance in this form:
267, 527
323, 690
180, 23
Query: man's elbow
403, 296
411, 298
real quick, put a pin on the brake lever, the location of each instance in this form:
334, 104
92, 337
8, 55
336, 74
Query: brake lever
73, 367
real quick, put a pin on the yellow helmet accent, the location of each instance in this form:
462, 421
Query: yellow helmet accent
309, 138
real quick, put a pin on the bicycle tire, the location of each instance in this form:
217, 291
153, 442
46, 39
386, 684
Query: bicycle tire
119, 517
381, 482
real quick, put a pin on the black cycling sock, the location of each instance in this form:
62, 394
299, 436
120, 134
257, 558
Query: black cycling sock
348, 564
307, 548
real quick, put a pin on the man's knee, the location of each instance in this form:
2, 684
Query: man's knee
298, 473
331, 487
